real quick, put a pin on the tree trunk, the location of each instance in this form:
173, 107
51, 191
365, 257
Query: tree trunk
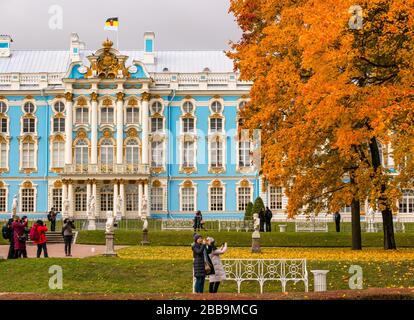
356, 225
387, 222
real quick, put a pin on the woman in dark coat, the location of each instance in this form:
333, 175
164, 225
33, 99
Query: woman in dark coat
198, 221
19, 231
198, 248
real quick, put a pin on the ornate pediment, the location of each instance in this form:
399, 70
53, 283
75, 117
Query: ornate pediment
107, 63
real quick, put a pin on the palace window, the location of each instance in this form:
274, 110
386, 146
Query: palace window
29, 125
3, 107
132, 201
244, 197
216, 107
188, 107
188, 125
406, 204
81, 199
276, 195
29, 107
57, 199
216, 154
107, 114
107, 199
216, 125
187, 199
216, 199
58, 124
157, 199
28, 153
188, 154
157, 124
58, 154
242, 105
107, 152
3, 200
3, 125
28, 200
244, 154
156, 107
132, 152
157, 154
59, 107
132, 114
82, 115
3, 154
81, 152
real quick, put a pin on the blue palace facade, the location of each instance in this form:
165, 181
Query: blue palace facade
147, 132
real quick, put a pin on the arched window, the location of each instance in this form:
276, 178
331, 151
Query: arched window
216, 107
3, 107
3, 153
28, 200
59, 107
3, 198
157, 154
188, 199
80, 199
157, 124
107, 198
29, 107
81, 152
107, 152
188, 125
188, 107
132, 152
132, 114
107, 114
216, 199
406, 204
156, 107
131, 193
28, 153
188, 154
58, 154
58, 124
216, 153
82, 114
216, 125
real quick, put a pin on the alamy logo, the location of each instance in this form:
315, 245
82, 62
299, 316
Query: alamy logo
356, 280
56, 20
56, 280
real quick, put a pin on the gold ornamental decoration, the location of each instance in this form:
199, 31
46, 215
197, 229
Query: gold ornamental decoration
120, 96
245, 183
108, 65
94, 96
69, 96
146, 96
187, 184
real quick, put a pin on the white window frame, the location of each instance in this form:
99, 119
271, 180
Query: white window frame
222, 186
158, 157
157, 200
6, 197
34, 188
6, 152
58, 158
194, 186
238, 186
80, 192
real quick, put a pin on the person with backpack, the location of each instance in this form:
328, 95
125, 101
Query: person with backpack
7, 232
67, 233
268, 218
20, 237
37, 234
51, 216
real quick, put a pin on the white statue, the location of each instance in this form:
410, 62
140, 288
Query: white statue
371, 214
66, 205
109, 227
256, 222
145, 225
91, 206
119, 204
144, 203
14, 205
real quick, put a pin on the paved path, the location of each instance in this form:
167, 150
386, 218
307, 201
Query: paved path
58, 250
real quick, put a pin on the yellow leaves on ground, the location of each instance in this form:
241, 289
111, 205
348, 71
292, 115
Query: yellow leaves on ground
319, 254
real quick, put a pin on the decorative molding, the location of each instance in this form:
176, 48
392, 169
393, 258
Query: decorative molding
94, 96
69, 96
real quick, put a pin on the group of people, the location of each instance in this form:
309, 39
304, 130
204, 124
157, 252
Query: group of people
265, 217
207, 262
18, 232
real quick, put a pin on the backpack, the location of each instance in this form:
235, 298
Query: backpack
6, 232
34, 234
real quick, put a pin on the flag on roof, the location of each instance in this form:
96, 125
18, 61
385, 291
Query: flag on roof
111, 24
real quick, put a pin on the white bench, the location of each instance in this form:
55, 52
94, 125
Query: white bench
177, 224
236, 225
311, 226
264, 270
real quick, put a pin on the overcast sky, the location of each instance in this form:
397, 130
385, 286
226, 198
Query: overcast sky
178, 24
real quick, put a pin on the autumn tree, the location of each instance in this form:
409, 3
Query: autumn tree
332, 83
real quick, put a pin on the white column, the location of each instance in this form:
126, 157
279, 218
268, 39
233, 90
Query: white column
115, 196
68, 128
147, 197
119, 127
122, 193
70, 198
95, 197
94, 128
64, 192
145, 99
139, 198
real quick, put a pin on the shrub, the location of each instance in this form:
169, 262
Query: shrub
258, 205
248, 214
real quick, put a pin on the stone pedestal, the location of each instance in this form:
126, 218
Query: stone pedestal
91, 224
256, 242
109, 250
145, 241
282, 227
319, 280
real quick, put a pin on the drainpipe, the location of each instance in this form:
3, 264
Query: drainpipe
172, 95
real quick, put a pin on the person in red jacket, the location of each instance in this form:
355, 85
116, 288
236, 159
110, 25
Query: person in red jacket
40, 239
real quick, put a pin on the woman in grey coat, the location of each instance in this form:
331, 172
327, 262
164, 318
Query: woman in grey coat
219, 273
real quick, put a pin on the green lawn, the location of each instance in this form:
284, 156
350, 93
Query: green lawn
100, 274
243, 239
